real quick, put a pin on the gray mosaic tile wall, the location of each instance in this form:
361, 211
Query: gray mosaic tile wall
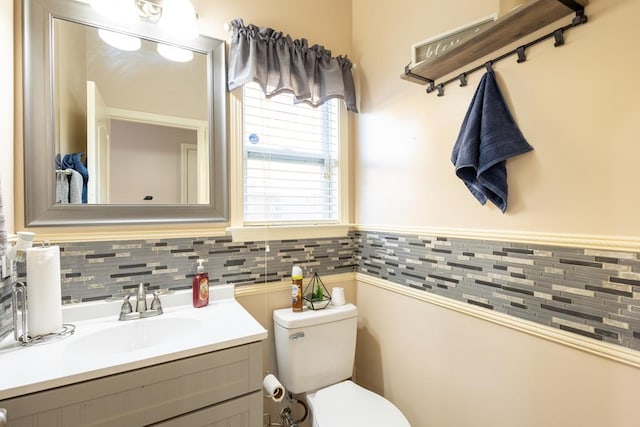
97, 270
594, 293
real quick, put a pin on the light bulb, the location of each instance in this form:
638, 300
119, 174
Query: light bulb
179, 19
173, 53
119, 40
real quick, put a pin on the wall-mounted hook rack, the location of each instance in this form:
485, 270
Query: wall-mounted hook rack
557, 34
523, 20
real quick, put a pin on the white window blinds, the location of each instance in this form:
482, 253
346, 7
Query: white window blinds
290, 159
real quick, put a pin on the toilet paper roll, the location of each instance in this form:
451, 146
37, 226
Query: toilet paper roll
44, 300
273, 387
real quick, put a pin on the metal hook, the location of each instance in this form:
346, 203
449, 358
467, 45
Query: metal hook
580, 18
440, 88
559, 37
463, 79
489, 66
521, 55
431, 86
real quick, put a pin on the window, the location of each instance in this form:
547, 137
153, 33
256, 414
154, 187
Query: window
290, 160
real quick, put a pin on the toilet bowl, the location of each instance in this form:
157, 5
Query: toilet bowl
346, 404
315, 351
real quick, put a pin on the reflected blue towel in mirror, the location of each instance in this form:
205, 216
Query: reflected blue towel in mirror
488, 137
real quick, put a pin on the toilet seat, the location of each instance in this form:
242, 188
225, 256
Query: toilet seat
346, 404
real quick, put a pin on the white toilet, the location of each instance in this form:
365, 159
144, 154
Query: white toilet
315, 351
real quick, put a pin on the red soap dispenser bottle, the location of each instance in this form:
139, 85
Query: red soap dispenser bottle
200, 287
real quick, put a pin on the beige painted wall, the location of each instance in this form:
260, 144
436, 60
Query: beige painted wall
71, 88
6, 111
443, 368
327, 23
575, 105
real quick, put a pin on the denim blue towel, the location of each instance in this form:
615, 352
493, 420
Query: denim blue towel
487, 138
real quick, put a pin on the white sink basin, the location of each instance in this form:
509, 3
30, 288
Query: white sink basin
102, 345
132, 335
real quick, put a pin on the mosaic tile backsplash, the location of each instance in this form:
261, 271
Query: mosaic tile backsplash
594, 293
98, 270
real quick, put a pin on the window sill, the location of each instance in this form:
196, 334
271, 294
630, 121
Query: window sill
284, 232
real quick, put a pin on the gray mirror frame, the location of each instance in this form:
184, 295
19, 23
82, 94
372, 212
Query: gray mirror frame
39, 140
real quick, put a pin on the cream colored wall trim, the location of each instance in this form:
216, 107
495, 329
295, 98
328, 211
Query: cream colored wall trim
606, 350
282, 232
91, 234
235, 158
285, 285
615, 243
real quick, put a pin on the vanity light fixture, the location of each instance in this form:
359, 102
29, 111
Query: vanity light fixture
179, 18
119, 40
122, 10
174, 53
176, 17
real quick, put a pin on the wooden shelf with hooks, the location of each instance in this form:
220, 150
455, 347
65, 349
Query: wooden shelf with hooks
514, 25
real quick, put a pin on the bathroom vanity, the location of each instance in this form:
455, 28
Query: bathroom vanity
187, 367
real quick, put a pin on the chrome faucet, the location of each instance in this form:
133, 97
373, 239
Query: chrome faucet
127, 313
141, 299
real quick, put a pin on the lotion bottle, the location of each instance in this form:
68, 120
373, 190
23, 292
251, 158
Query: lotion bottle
296, 289
200, 287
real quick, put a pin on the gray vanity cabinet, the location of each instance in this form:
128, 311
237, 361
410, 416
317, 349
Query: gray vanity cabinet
221, 388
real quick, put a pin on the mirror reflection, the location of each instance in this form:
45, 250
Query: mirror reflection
131, 119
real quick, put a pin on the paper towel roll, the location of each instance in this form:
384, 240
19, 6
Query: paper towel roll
273, 387
44, 300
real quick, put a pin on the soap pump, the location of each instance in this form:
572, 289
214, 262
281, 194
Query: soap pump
200, 287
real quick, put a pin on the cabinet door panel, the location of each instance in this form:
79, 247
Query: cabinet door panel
144, 396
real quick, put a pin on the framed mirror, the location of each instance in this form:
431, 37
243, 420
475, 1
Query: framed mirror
120, 135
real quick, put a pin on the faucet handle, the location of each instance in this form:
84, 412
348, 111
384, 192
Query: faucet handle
126, 308
155, 303
126, 305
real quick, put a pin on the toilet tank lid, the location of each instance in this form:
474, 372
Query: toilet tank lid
288, 319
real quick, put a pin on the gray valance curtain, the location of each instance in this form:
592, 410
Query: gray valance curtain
280, 64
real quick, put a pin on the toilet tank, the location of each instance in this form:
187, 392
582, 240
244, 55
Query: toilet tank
315, 348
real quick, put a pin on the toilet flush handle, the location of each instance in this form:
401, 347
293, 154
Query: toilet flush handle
296, 336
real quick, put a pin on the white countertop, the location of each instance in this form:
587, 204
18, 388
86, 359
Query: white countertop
224, 323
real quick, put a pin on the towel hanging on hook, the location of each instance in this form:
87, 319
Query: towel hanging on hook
488, 137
